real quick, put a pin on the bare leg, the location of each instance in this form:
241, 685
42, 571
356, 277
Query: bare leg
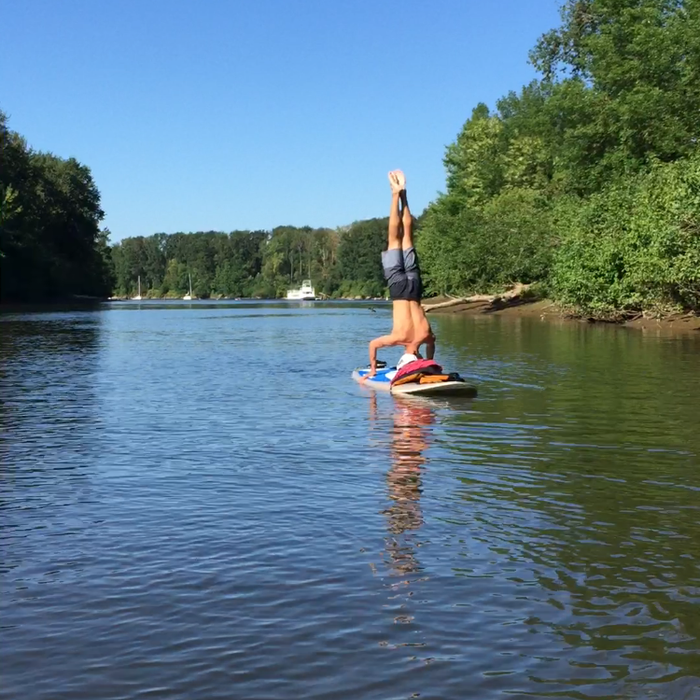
406, 222
394, 215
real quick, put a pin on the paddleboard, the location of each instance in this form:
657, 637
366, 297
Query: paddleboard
382, 382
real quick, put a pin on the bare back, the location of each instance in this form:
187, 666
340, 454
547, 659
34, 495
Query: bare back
419, 323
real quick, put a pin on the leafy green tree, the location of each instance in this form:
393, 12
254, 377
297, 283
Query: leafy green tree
561, 183
474, 162
50, 237
641, 59
633, 246
359, 254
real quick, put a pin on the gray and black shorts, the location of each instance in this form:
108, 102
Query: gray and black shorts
402, 274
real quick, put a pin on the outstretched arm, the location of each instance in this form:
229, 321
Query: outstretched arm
383, 341
430, 347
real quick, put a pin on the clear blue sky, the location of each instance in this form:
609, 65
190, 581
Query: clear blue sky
228, 115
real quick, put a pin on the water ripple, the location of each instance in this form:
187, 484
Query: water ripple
196, 502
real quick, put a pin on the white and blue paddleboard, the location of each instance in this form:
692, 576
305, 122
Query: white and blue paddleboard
382, 381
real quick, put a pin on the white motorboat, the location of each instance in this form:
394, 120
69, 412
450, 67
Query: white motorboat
305, 293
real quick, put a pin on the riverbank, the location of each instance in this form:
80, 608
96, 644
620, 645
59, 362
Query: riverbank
547, 310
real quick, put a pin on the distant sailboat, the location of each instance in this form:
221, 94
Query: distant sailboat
189, 297
138, 296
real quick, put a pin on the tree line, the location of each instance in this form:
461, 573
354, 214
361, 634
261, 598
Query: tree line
587, 181
340, 262
51, 245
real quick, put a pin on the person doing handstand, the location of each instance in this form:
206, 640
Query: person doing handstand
410, 324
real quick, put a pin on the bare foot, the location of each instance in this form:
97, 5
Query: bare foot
394, 182
400, 178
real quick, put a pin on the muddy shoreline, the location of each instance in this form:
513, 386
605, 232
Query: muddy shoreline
547, 310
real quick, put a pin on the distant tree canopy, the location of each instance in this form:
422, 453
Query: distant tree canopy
342, 262
50, 240
587, 180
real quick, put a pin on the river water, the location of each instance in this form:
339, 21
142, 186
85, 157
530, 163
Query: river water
197, 502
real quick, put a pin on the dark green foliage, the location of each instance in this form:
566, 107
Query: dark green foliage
584, 180
219, 263
50, 241
359, 258
642, 59
263, 264
510, 239
633, 246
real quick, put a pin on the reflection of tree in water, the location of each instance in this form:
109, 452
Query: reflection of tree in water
48, 364
408, 441
594, 531
49, 408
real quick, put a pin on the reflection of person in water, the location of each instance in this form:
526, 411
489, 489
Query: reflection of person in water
409, 439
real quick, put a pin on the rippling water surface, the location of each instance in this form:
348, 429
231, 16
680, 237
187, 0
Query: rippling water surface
197, 502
